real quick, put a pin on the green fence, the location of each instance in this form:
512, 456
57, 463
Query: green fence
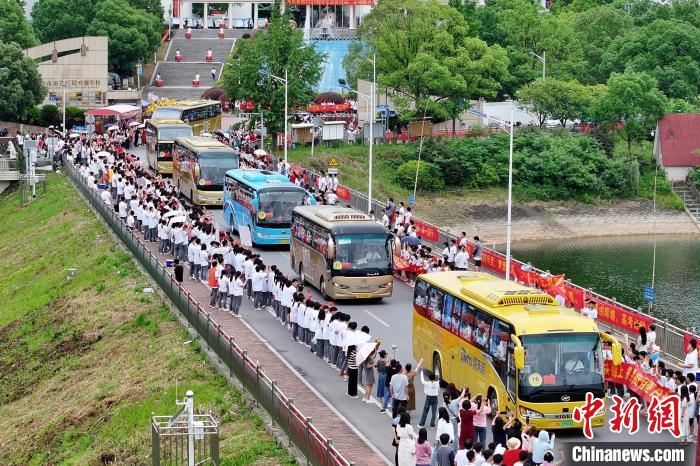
317, 448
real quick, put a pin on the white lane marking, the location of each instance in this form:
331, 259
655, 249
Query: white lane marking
377, 318
317, 393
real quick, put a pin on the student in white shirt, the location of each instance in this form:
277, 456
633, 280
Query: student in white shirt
690, 365
122, 210
203, 261
258, 279
301, 320
224, 283
236, 292
192, 256
462, 259
130, 222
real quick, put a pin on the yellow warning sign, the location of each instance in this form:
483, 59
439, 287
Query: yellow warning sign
333, 162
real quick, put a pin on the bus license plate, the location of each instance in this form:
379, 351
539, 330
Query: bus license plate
566, 424
284, 241
364, 295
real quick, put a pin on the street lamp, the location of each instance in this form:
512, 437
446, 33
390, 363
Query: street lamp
284, 81
509, 128
543, 59
369, 99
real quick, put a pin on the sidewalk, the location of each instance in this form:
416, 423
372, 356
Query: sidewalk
351, 445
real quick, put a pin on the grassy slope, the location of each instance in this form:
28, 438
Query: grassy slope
353, 173
85, 362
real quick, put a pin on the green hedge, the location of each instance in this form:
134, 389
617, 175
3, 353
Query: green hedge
429, 175
694, 177
546, 165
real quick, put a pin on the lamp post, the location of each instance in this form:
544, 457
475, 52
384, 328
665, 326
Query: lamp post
543, 59
509, 128
370, 101
284, 81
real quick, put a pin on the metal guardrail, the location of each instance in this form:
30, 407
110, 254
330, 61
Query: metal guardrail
316, 447
669, 337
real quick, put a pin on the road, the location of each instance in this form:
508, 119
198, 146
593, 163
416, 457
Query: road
389, 320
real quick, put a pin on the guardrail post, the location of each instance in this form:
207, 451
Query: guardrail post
290, 407
272, 402
208, 331
329, 441
218, 342
308, 433
230, 356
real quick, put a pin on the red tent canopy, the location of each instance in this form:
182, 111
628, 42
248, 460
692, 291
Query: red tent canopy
119, 110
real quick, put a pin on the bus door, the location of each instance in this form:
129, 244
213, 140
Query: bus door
500, 350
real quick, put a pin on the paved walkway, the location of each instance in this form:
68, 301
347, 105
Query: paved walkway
349, 442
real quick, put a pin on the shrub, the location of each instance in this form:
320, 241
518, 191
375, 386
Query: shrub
75, 116
429, 175
50, 116
694, 177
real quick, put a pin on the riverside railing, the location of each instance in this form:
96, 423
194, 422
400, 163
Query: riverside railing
316, 447
670, 338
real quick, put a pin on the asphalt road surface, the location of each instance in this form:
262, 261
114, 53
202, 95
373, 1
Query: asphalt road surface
389, 320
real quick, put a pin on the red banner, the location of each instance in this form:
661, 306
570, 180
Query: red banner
402, 264
620, 317
426, 231
575, 296
321, 108
176, 9
343, 193
330, 2
686, 340
635, 379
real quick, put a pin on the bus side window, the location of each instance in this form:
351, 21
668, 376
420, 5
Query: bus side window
483, 329
447, 313
456, 316
435, 305
466, 328
500, 336
420, 298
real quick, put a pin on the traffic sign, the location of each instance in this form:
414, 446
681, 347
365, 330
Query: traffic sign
139, 69
411, 199
382, 107
649, 293
90, 119
52, 99
332, 171
333, 162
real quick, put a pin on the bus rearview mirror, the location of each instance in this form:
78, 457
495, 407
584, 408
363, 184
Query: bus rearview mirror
195, 170
519, 356
330, 251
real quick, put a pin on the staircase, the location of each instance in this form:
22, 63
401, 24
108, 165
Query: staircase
177, 77
691, 198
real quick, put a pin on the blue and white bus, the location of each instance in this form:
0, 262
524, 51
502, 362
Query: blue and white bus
263, 201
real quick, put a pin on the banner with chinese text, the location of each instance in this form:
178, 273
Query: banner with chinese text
636, 380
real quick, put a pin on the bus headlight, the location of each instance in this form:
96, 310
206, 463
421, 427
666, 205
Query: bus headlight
342, 287
524, 412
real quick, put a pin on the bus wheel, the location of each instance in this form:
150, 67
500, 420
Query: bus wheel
493, 401
302, 276
437, 370
322, 287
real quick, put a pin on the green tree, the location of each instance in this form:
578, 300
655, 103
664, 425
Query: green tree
14, 26
133, 34
62, 19
20, 83
666, 49
153, 7
277, 49
597, 28
682, 106
536, 98
632, 100
426, 57
559, 100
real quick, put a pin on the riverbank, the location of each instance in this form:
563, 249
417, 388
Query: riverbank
86, 361
570, 220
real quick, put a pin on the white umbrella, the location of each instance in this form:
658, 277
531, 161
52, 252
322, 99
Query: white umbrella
74, 135
259, 152
134, 123
142, 125
174, 213
365, 350
103, 154
178, 219
112, 128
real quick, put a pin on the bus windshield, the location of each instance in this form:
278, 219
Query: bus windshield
165, 151
561, 364
165, 113
213, 167
169, 134
277, 206
365, 252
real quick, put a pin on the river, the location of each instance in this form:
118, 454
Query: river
621, 267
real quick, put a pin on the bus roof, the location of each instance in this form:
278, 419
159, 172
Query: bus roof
186, 104
529, 310
340, 219
199, 143
167, 122
261, 179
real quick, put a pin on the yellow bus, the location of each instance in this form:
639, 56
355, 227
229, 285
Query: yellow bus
342, 252
199, 166
510, 343
204, 116
160, 136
